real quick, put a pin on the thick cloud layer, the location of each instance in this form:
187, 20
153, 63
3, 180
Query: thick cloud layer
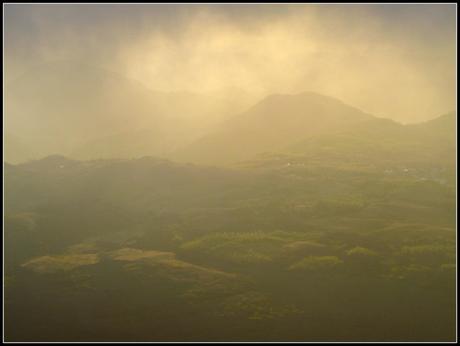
397, 61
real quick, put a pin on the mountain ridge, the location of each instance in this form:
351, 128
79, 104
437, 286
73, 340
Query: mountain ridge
272, 123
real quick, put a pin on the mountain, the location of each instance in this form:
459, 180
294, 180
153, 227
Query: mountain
383, 141
71, 108
60, 105
187, 116
443, 125
273, 123
424, 152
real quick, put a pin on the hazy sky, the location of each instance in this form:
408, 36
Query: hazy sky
397, 61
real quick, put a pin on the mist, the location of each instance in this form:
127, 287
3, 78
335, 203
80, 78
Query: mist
392, 61
230, 173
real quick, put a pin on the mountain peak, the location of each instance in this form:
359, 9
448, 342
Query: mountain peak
306, 95
274, 123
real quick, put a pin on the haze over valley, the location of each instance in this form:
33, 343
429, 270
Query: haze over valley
230, 172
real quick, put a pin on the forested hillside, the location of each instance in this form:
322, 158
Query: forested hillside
341, 236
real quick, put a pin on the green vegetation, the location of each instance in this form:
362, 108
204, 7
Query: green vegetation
349, 237
316, 263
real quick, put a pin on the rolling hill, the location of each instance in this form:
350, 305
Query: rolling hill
273, 123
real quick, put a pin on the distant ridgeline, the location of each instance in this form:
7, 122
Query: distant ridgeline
300, 219
50, 110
